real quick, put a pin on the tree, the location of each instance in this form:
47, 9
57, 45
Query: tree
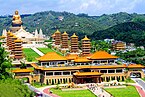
23, 65
5, 63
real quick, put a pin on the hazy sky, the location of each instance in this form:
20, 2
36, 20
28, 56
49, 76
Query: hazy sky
91, 7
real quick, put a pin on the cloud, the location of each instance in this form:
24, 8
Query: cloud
91, 7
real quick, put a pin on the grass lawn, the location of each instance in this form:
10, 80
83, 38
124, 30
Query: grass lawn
129, 91
45, 50
143, 79
30, 55
73, 93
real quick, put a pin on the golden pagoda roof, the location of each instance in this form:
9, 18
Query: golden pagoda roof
74, 35
51, 56
14, 36
22, 70
86, 73
11, 35
53, 35
2, 36
18, 40
82, 59
9, 32
102, 55
65, 33
86, 38
57, 31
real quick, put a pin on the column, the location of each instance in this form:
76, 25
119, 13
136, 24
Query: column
121, 78
105, 79
107, 70
110, 78
115, 70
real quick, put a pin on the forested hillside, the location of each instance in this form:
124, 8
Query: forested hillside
121, 26
130, 32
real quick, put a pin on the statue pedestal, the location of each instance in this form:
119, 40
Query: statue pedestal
15, 29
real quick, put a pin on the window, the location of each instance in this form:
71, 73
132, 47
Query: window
111, 71
57, 73
66, 73
119, 71
49, 73
103, 71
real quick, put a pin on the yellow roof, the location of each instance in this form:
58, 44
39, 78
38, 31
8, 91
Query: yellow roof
86, 73
53, 35
102, 55
11, 35
71, 56
36, 66
103, 66
65, 33
135, 66
14, 36
82, 59
86, 38
74, 35
2, 36
57, 31
62, 68
18, 40
22, 70
51, 56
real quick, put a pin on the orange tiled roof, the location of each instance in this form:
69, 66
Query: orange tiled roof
102, 55
86, 73
86, 38
63, 68
135, 66
36, 66
51, 56
71, 56
82, 59
22, 70
104, 66
2, 36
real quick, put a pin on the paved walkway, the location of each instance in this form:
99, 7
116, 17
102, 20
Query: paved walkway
140, 86
98, 91
37, 51
47, 91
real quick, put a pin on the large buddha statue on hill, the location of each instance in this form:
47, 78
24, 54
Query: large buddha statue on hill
17, 22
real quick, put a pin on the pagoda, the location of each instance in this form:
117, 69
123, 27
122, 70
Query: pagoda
74, 43
86, 46
18, 54
57, 38
64, 41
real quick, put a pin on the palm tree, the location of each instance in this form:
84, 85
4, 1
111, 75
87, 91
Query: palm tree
5, 63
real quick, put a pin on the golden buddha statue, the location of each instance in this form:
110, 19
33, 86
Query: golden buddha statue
16, 19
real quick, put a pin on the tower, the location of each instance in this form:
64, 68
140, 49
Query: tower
64, 40
74, 43
86, 46
57, 38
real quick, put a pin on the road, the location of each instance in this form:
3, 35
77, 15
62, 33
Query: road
36, 90
140, 82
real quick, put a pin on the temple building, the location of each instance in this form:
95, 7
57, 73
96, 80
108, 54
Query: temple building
96, 68
86, 46
118, 45
57, 38
64, 41
74, 44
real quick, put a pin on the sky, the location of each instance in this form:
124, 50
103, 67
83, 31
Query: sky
90, 7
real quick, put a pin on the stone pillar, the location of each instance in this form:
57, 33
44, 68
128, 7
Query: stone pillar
115, 77
105, 79
110, 78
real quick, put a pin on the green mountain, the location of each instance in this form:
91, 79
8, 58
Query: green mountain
82, 24
130, 32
